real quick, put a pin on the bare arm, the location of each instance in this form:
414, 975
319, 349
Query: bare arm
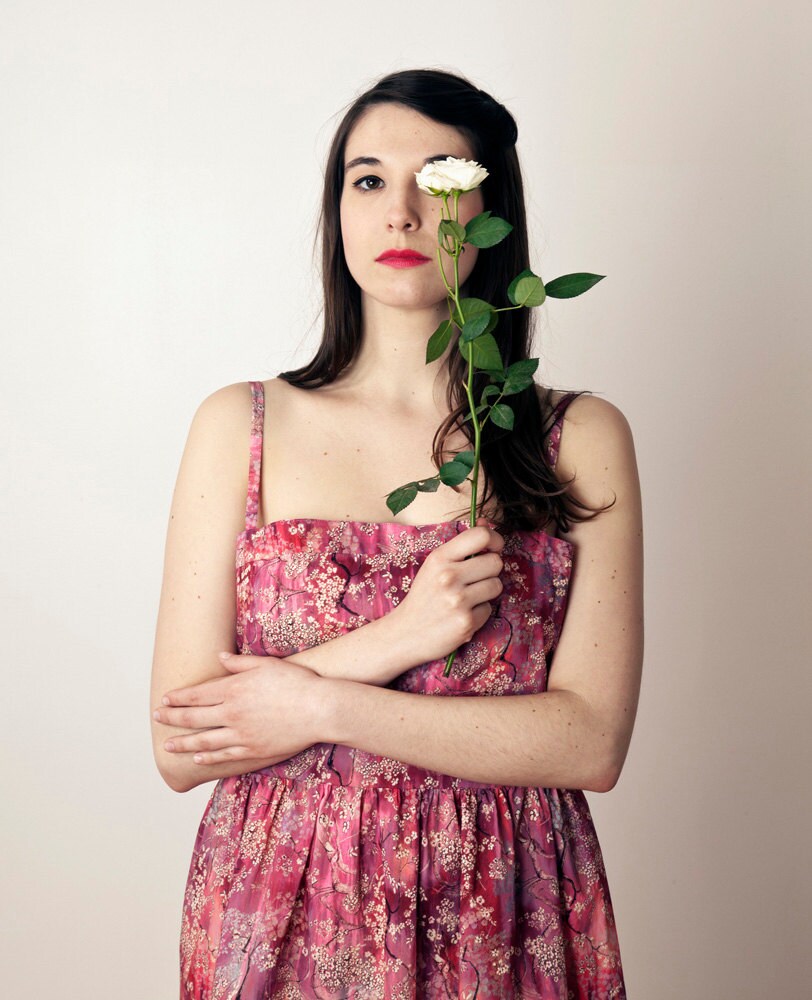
373, 654
196, 616
575, 735
197, 613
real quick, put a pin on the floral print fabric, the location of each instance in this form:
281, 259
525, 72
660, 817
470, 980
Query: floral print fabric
342, 874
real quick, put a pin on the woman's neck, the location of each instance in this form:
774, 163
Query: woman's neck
391, 362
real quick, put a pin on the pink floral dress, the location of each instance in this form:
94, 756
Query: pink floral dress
343, 874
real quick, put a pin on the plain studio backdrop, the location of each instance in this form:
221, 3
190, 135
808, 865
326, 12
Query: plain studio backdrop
161, 174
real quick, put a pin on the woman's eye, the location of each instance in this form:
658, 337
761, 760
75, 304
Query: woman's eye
361, 180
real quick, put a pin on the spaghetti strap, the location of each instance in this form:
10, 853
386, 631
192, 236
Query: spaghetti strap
255, 464
554, 439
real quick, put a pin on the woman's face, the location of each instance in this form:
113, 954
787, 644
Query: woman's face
382, 207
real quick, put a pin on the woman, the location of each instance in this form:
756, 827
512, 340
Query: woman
364, 840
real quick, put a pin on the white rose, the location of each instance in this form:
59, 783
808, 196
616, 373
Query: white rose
450, 174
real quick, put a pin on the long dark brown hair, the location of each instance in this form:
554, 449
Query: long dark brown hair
514, 463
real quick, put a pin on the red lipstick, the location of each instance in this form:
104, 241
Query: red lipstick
402, 258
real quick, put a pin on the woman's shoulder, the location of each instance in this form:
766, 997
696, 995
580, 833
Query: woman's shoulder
227, 411
584, 408
595, 434
235, 400
550, 398
228, 401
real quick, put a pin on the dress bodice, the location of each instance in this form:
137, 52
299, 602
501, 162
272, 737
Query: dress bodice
305, 581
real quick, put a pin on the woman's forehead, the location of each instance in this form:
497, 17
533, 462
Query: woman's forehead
392, 129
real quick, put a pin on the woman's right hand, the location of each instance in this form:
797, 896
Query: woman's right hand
448, 599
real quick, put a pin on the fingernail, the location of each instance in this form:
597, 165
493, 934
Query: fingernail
164, 700
156, 715
224, 656
198, 759
170, 746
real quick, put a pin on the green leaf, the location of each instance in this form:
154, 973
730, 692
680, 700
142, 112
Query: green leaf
448, 227
468, 309
494, 319
485, 232
511, 292
475, 327
502, 416
438, 341
474, 317
520, 376
479, 410
428, 485
453, 473
526, 366
519, 384
478, 220
400, 498
527, 290
488, 391
486, 354
570, 285
466, 458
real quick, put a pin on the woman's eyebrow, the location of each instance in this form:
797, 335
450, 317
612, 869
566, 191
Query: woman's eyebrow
371, 161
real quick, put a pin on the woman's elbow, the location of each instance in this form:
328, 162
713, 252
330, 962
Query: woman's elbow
607, 782
607, 776
173, 776
177, 782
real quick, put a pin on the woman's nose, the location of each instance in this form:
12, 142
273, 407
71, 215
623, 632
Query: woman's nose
402, 211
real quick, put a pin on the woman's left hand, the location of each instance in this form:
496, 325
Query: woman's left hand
266, 708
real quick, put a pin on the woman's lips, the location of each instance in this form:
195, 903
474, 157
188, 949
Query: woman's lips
403, 261
402, 258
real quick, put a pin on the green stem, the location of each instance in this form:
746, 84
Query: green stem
457, 249
469, 391
442, 272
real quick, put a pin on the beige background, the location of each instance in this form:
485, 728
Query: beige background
160, 180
